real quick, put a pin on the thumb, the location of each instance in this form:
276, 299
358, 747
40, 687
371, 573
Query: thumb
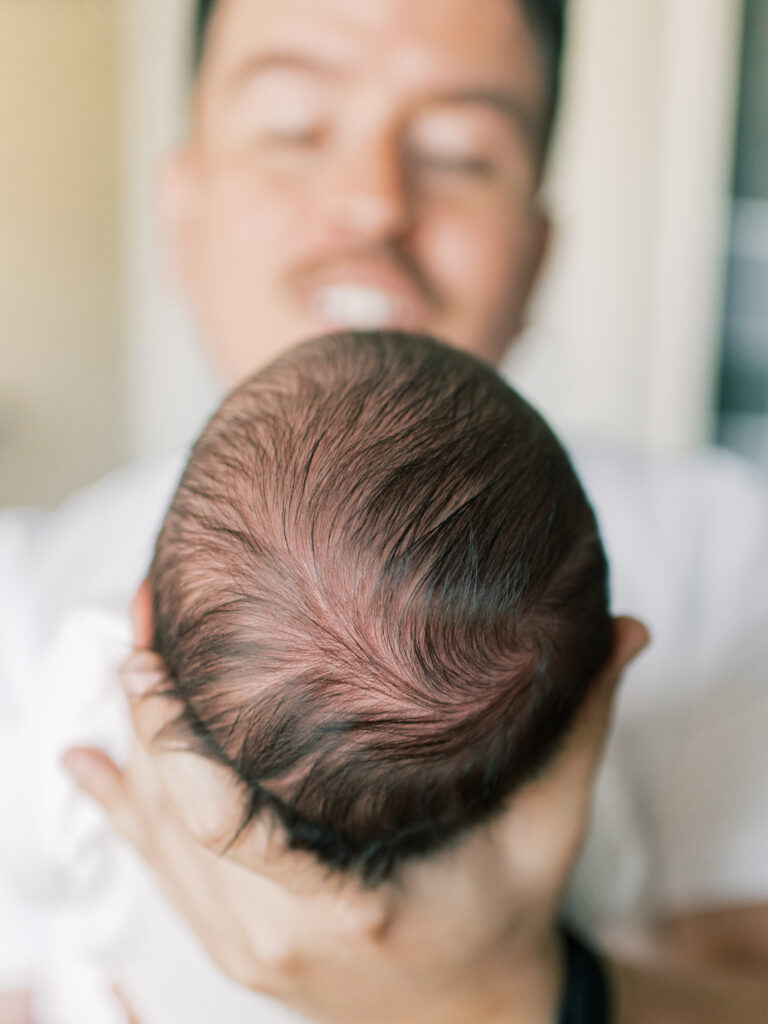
146, 683
131, 1017
99, 777
207, 795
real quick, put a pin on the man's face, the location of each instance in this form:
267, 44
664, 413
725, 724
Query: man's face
360, 163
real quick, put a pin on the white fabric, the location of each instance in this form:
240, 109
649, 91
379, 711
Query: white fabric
107, 923
688, 545
680, 818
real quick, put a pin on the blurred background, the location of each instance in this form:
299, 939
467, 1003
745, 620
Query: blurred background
650, 327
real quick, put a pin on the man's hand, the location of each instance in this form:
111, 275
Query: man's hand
410, 953
275, 922
735, 938
16, 1008
465, 934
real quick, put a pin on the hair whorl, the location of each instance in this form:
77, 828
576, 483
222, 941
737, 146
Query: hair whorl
381, 593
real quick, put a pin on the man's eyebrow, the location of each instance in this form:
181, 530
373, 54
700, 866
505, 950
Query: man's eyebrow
283, 60
507, 104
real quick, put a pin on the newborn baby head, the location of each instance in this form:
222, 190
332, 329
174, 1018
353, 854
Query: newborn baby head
381, 595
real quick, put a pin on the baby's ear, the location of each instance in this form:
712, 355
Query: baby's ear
366, 914
345, 904
141, 617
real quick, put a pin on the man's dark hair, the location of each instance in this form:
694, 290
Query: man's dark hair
546, 16
381, 595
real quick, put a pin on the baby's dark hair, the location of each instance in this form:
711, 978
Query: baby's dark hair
381, 594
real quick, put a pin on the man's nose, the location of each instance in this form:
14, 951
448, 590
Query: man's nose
366, 194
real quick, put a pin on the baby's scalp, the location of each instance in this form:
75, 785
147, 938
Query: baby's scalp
381, 594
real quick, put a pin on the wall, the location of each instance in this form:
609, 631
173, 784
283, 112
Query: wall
626, 332
61, 394
168, 386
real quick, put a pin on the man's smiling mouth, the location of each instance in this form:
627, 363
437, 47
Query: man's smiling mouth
361, 306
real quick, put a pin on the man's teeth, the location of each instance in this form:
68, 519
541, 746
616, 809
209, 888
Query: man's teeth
356, 306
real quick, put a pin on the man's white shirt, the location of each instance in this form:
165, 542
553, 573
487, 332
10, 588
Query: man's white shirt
681, 809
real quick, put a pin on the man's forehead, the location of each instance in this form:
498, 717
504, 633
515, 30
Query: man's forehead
443, 40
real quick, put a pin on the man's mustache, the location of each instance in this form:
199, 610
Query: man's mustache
388, 257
